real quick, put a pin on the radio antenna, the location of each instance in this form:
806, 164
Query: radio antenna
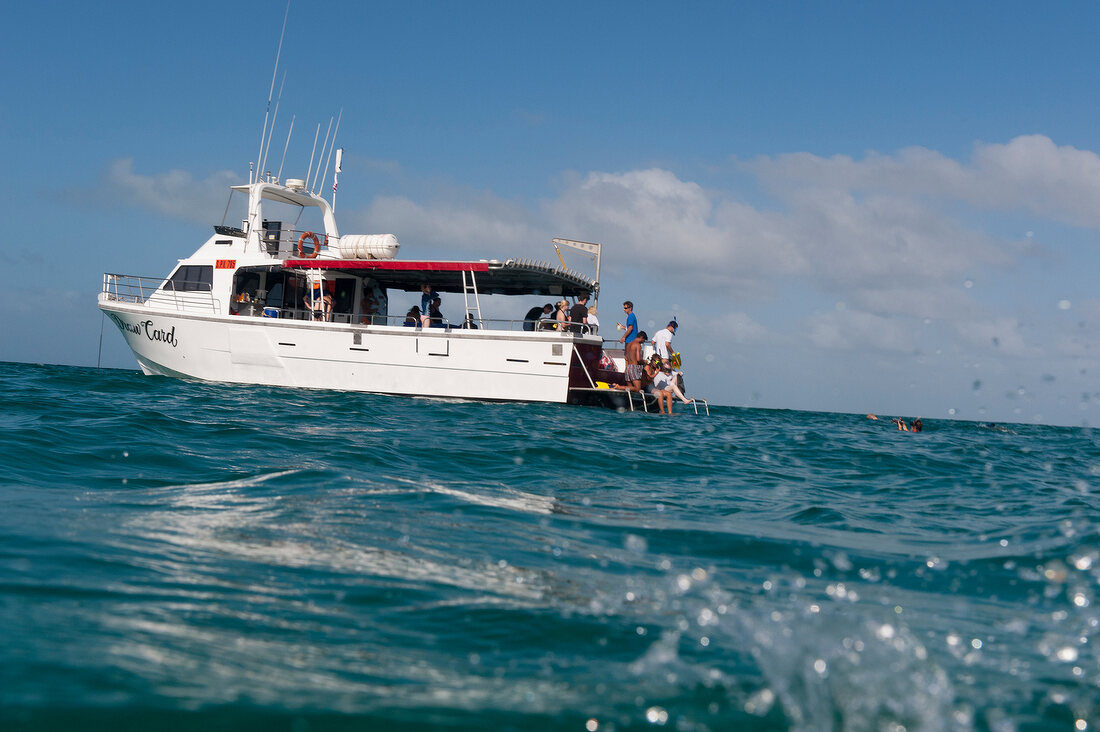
271, 92
315, 136
274, 117
291, 130
334, 133
313, 186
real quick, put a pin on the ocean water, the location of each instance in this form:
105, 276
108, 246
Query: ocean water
178, 555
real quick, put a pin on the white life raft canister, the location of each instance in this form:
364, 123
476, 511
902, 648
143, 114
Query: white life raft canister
368, 246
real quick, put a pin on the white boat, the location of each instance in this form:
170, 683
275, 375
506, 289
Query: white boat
276, 303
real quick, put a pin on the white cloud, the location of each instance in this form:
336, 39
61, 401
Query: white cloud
1032, 173
1086, 312
944, 302
1028, 173
652, 212
1080, 346
482, 224
1003, 333
175, 193
852, 330
889, 235
691, 236
737, 327
838, 240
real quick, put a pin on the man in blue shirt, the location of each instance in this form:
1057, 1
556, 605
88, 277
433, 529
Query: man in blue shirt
633, 355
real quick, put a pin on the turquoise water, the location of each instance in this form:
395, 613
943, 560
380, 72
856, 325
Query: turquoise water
177, 555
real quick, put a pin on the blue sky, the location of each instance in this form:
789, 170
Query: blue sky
887, 207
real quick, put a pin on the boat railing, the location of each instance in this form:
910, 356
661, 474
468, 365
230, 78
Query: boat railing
283, 243
697, 401
359, 318
160, 292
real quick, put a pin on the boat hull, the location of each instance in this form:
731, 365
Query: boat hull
464, 364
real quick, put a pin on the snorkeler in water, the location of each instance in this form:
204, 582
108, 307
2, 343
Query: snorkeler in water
917, 425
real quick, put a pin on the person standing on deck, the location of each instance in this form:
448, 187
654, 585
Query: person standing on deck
561, 315
579, 314
633, 347
535, 314
426, 297
435, 317
317, 301
547, 322
663, 342
593, 322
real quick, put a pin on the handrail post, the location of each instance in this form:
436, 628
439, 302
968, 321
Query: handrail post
580, 360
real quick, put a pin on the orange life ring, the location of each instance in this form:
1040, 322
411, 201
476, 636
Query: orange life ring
316, 245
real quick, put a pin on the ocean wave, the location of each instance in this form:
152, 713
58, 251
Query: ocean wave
191, 554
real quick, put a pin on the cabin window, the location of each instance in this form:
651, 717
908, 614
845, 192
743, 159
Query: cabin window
191, 278
344, 296
295, 290
273, 231
274, 291
247, 283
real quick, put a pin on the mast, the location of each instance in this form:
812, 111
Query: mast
287, 145
271, 92
315, 136
313, 186
334, 133
274, 117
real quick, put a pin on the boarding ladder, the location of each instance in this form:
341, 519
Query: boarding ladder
631, 394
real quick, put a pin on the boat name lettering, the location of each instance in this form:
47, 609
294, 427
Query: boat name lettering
225, 264
159, 334
147, 329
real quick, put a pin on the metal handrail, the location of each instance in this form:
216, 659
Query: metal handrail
695, 403
641, 395
287, 241
143, 290
296, 312
495, 324
577, 355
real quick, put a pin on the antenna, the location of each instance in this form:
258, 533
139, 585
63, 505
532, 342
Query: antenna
226, 213
292, 118
313, 186
334, 133
274, 117
315, 136
271, 92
